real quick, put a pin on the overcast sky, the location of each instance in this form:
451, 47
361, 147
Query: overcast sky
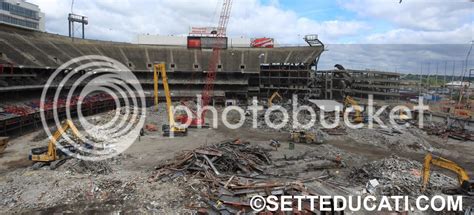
440, 29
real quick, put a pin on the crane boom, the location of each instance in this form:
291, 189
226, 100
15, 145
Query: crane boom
224, 18
215, 58
171, 128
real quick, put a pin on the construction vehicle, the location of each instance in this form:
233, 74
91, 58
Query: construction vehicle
195, 120
3, 144
358, 110
51, 155
466, 184
220, 34
172, 127
301, 136
274, 95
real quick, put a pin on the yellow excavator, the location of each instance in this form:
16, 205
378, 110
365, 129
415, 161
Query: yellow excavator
274, 95
466, 184
50, 155
172, 128
358, 110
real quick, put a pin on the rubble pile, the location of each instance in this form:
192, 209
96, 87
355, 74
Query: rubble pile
87, 167
122, 111
455, 131
231, 157
400, 139
399, 176
40, 136
223, 177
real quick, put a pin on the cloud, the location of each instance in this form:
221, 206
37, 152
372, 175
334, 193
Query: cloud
417, 21
425, 15
401, 58
121, 20
463, 34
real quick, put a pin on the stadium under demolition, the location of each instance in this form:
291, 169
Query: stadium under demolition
48, 89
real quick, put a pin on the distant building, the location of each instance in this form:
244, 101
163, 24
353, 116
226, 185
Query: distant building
22, 14
457, 84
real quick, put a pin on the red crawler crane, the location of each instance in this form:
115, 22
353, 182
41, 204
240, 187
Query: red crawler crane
220, 34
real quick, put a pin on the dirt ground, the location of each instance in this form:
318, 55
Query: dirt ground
126, 188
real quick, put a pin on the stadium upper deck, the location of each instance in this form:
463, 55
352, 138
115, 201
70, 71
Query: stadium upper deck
31, 49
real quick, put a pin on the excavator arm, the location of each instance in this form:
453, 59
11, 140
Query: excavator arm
161, 69
49, 154
274, 95
58, 134
463, 177
350, 101
172, 124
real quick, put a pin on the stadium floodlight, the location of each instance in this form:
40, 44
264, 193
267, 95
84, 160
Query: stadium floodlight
72, 18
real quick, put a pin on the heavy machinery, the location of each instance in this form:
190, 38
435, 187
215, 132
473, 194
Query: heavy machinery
50, 155
274, 95
3, 144
172, 128
358, 110
466, 184
195, 120
220, 33
301, 136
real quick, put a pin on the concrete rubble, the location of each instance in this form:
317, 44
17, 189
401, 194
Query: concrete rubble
399, 177
88, 167
216, 171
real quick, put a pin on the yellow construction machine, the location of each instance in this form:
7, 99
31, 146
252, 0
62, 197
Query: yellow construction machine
466, 184
3, 144
301, 136
274, 95
172, 128
50, 155
349, 101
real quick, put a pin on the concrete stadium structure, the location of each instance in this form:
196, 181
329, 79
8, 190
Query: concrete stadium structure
41, 53
28, 58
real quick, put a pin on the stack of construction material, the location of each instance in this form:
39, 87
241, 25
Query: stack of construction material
229, 175
223, 158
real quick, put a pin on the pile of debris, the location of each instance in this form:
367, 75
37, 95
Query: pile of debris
391, 138
223, 177
87, 167
230, 157
443, 131
399, 176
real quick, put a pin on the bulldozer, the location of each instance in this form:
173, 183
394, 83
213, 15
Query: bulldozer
172, 127
51, 155
301, 136
466, 184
